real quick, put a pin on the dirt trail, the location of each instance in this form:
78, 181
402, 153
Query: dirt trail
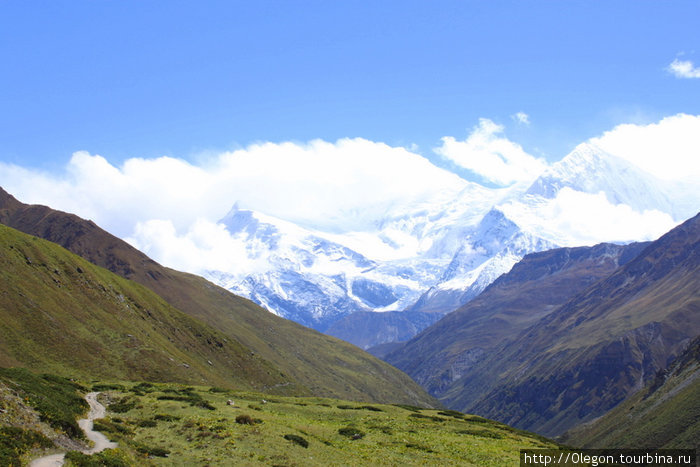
97, 411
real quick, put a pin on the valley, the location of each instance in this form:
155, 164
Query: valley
170, 424
342, 233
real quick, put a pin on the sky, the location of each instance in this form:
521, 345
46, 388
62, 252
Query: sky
184, 79
127, 112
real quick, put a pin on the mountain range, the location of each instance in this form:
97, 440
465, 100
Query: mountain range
435, 255
566, 335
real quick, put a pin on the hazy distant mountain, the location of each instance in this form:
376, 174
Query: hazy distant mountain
315, 363
368, 329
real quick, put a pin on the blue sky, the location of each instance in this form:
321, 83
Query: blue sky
144, 79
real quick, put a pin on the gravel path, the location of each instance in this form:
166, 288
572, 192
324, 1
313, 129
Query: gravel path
97, 411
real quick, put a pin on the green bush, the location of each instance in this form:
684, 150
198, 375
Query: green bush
166, 418
55, 398
351, 432
15, 441
151, 450
108, 387
244, 419
428, 417
412, 408
106, 458
147, 423
298, 440
124, 405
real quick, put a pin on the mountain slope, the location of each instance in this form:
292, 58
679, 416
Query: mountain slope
325, 365
593, 352
533, 288
665, 414
367, 329
60, 313
488, 250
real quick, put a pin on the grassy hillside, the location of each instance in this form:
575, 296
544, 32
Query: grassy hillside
62, 314
258, 430
325, 365
173, 424
665, 414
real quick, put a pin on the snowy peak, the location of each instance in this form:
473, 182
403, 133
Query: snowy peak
589, 169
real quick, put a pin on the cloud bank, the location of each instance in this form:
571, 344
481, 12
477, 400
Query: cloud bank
340, 186
669, 149
169, 207
490, 155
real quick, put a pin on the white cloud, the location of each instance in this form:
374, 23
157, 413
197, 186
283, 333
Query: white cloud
335, 186
491, 156
683, 69
669, 149
521, 118
204, 246
574, 218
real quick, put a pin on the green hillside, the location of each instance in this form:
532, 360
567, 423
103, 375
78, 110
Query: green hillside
325, 365
62, 314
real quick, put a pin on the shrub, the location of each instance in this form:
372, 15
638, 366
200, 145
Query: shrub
108, 387
123, 405
420, 447
372, 408
55, 398
412, 408
298, 440
15, 441
166, 418
351, 432
428, 417
152, 450
106, 458
147, 423
244, 419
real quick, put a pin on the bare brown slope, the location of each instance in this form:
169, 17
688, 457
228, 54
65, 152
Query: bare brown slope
665, 414
326, 365
534, 287
599, 348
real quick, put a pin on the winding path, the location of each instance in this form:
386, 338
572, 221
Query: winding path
97, 411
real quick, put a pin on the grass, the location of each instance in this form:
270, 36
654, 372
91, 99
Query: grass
290, 431
174, 424
15, 442
56, 399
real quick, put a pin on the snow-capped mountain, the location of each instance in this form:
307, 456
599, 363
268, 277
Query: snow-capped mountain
437, 254
488, 250
308, 277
